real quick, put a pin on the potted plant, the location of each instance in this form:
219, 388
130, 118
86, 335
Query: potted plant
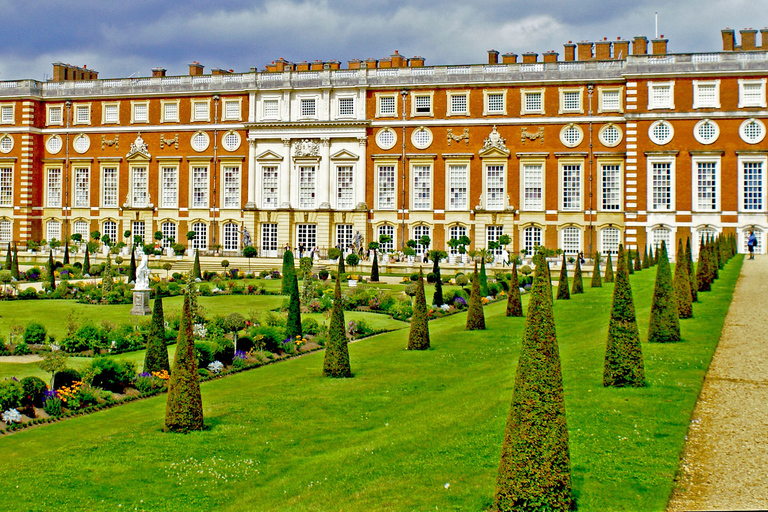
334, 253
107, 244
454, 244
464, 243
169, 248
216, 249
410, 254
179, 249
424, 244
190, 239
54, 244
33, 246
249, 252
352, 261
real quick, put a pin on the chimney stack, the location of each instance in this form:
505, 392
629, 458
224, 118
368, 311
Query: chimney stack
659, 45
603, 50
509, 58
416, 62
620, 49
569, 52
196, 69
550, 56
748, 40
729, 39
158, 72
397, 60
584, 51
493, 57
530, 57
640, 45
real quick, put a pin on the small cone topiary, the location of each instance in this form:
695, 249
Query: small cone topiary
15, 265
131, 269
638, 263
664, 326
289, 269
646, 263
514, 302
535, 466
682, 283
293, 322
196, 274
651, 258
107, 283
51, 270
562, 285
597, 279
609, 270
418, 337
578, 284
691, 272
156, 357
184, 406
703, 271
623, 355
8, 258
630, 266
483, 277
714, 260
475, 315
66, 253
336, 361
375, 267
437, 297
87, 264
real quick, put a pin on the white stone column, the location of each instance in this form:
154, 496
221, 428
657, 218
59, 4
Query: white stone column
324, 174
253, 182
285, 175
361, 173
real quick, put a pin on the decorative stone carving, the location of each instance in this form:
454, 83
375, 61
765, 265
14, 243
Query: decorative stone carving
362, 141
457, 138
307, 147
253, 143
525, 134
110, 143
246, 237
169, 142
326, 142
142, 275
139, 147
494, 142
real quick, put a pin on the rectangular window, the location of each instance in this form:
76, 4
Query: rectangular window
343, 236
201, 236
706, 94
138, 229
109, 188
140, 113
170, 111
110, 113
169, 231
660, 95
423, 104
533, 102
387, 230
271, 109
455, 233
54, 188
232, 110
231, 237
494, 187
571, 101
6, 231
457, 187
307, 186
53, 230
231, 187
140, 187
459, 104
386, 187
344, 191
269, 240
422, 187
346, 106
531, 239
571, 243
6, 186
532, 187
706, 184
611, 100
308, 108
82, 187
752, 93
661, 186
571, 187
83, 114
54, 115
201, 111
387, 106
199, 187
753, 185
110, 229
492, 234
7, 114
306, 236
170, 182
81, 228
269, 187
610, 238
418, 233
495, 103
610, 185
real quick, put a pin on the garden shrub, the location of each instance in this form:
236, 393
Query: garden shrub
34, 389
323, 274
664, 324
336, 360
65, 378
146, 382
431, 278
462, 280
245, 343
28, 294
33, 274
494, 289
206, 353
224, 350
203, 372
271, 336
106, 373
21, 349
205, 290
308, 326
410, 289
418, 336
402, 309
414, 277
35, 334
11, 394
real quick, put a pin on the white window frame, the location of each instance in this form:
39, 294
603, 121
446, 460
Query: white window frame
230, 236
394, 168
601, 107
415, 95
528, 236
345, 97
231, 194
654, 104
763, 160
54, 200
492, 234
231, 140
306, 233
3, 107
672, 171
110, 104
6, 185
568, 128
165, 229
115, 198
6, 231
620, 186
139, 228
656, 140
419, 231
75, 186
53, 230
530, 163
455, 231
268, 239
450, 111
569, 230
698, 102
54, 107
416, 140
306, 175
759, 234
570, 90
109, 228
695, 160
486, 102
655, 240
487, 164
347, 192
743, 102
263, 104
273, 169
389, 230
562, 164
428, 166
137, 119
164, 117
81, 227
604, 141
6, 137
77, 108
199, 117
225, 115
344, 235
383, 144
698, 136
379, 96
204, 188
139, 192
201, 229
169, 194
203, 147
604, 249
315, 102
743, 128
453, 188
524, 93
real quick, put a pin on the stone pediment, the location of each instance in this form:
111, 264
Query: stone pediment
494, 145
344, 155
269, 155
138, 150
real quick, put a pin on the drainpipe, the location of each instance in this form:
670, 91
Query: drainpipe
590, 89
66, 175
404, 95
215, 161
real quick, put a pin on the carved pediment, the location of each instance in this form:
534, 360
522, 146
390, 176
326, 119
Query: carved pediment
269, 155
494, 145
138, 150
344, 155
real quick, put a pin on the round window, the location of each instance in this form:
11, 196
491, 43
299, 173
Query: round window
6, 143
752, 131
706, 131
421, 137
610, 135
231, 141
54, 144
661, 132
386, 138
571, 135
200, 141
82, 143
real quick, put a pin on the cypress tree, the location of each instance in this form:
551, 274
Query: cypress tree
703, 272
51, 270
691, 272
66, 253
578, 285
131, 268
196, 274
562, 285
535, 468
336, 361
483, 277
418, 337
597, 279
437, 298
630, 266
514, 303
638, 263
15, 265
664, 326
475, 315
682, 283
623, 355
156, 357
293, 323
8, 258
289, 269
646, 263
184, 407
609, 270
375, 268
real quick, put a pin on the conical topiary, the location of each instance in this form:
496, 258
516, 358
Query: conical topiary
483, 277
535, 468
131, 268
713, 259
66, 253
156, 357
630, 266
638, 263
623, 355
646, 263
107, 283
682, 284
597, 279
703, 269
87, 263
196, 273
375, 268
609, 270
184, 407
15, 264
651, 257
562, 285
578, 284
475, 315
437, 297
289, 269
51, 270
514, 302
418, 337
336, 361
8, 258
293, 322
691, 271
664, 326
549, 278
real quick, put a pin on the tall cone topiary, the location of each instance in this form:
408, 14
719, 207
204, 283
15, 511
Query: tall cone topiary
562, 285
703, 270
196, 273
437, 297
597, 279
289, 269
651, 258
483, 276
87, 262
623, 354
8, 258
184, 406
578, 284
475, 315
293, 323
418, 337
15, 264
713, 259
630, 266
646, 263
638, 263
375, 267
682, 284
609, 277
664, 326
691, 272
336, 361
66, 253
549, 278
156, 357
514, 302
535, 466
131, 268
51, 270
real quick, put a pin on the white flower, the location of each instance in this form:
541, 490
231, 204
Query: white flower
447, 485
11, 416
215, 367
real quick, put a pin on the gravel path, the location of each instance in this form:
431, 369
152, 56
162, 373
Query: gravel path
725, 460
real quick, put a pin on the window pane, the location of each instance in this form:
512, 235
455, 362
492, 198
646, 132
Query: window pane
140, 112
531, 239
572, 100
271, 108
492, 234
269, 240
610, 240
110, 187
571, 187
232, 109
6, 186
455, 233
306, 238
169, 231
231, 187
170, 186
269, 187
459, 104
171, 111
662, 186
387, 187
611, 187
82, 186
201, 111
140, 193
201, 236
753, 185
457, 176
54, 187
110, 113
423, 104
308, 108
611, 100
533, 102
110, 229
343, 236
532, 183
231, 237
390, 232
344, 191
571, 240
707, 186
496, 102
306, 187
199, 187
494, 180
387, 105
346, 106
422, 187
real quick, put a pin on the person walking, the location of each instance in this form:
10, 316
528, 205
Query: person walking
751, 243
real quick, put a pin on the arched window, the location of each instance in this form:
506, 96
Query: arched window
201, 236
388, 230
745, 238
231, 237
80, 227
53, 230
571, 240
169, 231
6, 231
659, 235
492, 234
110, 229
609, 240
531, 239
418, 232
455, 232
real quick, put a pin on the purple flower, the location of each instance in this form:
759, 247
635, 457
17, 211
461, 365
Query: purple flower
144, 374
459, 302
241, 354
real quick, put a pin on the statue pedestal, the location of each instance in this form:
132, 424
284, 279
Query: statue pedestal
141, 303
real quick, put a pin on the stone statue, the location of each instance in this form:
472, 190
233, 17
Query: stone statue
246, 237
357, 241
142, 275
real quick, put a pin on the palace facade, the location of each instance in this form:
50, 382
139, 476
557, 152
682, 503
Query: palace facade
617, 142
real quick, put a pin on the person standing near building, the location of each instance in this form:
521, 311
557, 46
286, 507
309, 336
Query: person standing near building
751, 243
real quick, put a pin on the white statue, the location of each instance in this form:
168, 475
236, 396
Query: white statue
142, 275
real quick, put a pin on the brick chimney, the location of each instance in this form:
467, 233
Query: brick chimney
748, 40
659, 45
550, 56
729, 39
332, 64
620, 49
196, 69
569, 51
302, 66
354, 63
603, 49
219, 71
316, 66
371, 63
640, 45
158, 72
493, 57
584, 51
509, 58
416, 62
530, 57
764, 38
67, 72
397, 60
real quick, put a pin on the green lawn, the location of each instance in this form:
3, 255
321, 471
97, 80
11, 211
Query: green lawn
283, 438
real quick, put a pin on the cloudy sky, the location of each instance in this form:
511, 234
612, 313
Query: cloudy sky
121, 39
